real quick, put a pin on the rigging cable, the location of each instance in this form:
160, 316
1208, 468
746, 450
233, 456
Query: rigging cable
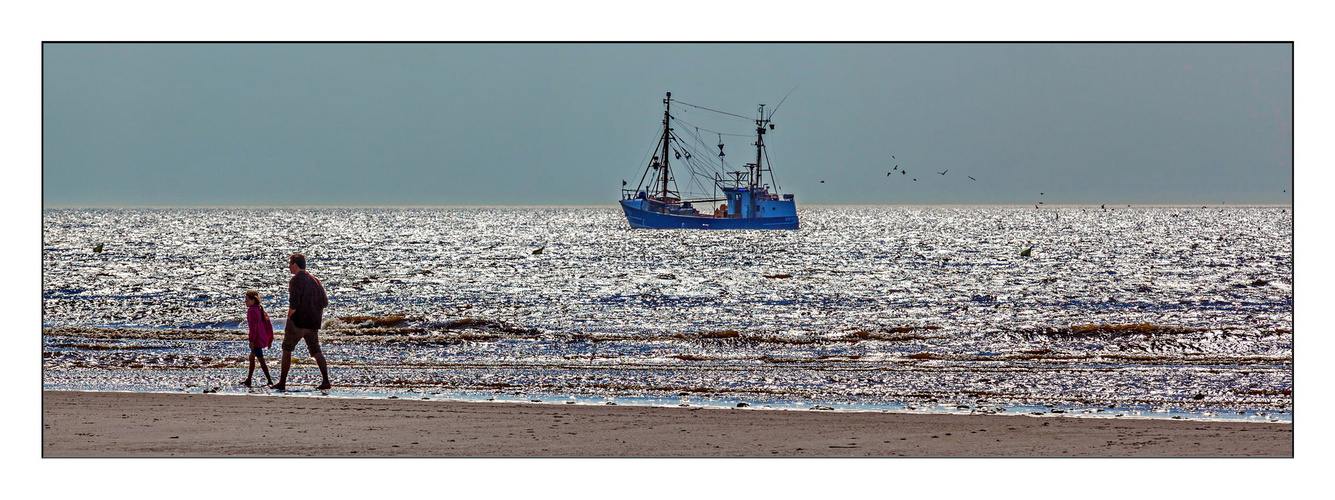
700, 163
679, 120
708, 168
646, 169
777, 188
690, 149
695, 161
714, 110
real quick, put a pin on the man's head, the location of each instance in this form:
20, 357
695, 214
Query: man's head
296, 263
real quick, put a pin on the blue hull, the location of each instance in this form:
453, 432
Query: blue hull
653, 220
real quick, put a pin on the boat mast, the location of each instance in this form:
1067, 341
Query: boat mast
667, 130
760, 147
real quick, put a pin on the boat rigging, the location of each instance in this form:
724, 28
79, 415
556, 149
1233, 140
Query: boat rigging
746, 202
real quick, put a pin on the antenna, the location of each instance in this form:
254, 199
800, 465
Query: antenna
776, 106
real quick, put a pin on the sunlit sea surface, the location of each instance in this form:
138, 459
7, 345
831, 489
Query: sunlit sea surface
1168, 312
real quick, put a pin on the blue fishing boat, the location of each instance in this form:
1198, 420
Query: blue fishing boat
741, 199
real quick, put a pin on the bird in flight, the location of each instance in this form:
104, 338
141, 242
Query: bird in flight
971, 178
944, 173
892, 157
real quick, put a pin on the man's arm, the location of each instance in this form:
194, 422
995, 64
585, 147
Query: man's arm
293, 295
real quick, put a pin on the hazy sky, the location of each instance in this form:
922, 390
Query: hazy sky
563, 124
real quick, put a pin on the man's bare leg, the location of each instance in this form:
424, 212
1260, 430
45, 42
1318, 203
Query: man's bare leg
324, 370
282, 374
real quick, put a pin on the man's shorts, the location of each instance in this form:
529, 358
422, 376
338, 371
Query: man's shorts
293, 334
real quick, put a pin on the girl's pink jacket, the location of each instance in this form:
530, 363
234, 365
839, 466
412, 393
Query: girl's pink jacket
261, 329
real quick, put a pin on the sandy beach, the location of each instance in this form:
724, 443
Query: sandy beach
117, 424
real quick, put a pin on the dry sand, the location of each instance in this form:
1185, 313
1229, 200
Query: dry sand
83, 424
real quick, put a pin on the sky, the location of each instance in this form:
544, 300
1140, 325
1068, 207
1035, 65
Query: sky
460, 124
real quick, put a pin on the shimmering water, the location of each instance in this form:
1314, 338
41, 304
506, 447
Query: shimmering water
1141, 310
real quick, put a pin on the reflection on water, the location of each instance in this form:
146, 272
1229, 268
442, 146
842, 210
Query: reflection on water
1134, 309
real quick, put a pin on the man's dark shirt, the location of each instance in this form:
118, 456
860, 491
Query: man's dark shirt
307, 297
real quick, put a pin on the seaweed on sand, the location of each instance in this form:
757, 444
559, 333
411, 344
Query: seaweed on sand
372, 321
1105, 330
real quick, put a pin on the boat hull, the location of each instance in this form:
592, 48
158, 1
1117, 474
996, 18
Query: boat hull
641, 218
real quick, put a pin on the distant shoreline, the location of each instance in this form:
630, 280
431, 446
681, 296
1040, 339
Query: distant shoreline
122, 424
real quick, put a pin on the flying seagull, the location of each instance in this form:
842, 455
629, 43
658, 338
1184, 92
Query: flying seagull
971, 178
944, 173
892, 157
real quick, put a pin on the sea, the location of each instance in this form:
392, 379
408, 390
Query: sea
1182, 312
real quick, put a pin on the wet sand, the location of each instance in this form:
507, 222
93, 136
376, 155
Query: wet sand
110, 424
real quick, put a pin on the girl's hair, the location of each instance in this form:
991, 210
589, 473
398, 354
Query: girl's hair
255, 296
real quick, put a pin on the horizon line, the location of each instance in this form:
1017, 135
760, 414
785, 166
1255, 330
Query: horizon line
1018, 205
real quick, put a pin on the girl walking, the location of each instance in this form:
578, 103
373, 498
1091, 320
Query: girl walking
261, 335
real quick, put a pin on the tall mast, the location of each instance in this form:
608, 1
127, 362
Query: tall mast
760, 146
663, 171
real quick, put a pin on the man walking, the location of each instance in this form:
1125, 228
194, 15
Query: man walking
306, 302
